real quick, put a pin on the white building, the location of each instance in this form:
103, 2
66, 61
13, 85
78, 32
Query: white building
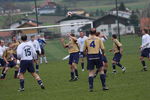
73, 19
108, 25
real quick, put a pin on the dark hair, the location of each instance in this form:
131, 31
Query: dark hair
73, 35
98, 33
145, 30
114, 36
93, 31
24, 38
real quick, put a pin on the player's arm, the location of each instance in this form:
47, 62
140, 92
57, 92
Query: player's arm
85, 47
102, 47
63, 43
38, 47
73, 38
4, 56
33, 52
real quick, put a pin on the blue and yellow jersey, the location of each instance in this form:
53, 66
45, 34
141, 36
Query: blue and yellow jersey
116, 46
72, 46
8, 54
15, 45
93, 45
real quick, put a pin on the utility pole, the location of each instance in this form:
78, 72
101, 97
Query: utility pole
36, 13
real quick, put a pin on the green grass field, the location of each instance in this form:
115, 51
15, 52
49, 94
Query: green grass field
133, 85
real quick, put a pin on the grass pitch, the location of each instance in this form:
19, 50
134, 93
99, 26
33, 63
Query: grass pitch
133, 85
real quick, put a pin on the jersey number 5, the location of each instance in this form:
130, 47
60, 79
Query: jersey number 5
92, 44
27, 52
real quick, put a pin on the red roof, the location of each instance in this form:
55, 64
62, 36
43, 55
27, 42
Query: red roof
5, 34
28, 23
145, 23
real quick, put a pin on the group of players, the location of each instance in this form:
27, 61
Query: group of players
93, 48
22, 55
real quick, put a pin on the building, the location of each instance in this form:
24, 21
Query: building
73, 19
6, 36
145, 24
22, 21
108, 25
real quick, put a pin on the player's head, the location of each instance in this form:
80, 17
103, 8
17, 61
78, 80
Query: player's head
93, 31
33, 37
114, 36
98, 34
81, 33
24, 38
10, 45
14, 38
2, 42
145, 31
38, 36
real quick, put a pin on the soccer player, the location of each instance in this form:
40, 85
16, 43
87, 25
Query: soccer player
9, 59
42, 43
26, 53
145, 49
117, 50
92, 46
80, 42
36, 46
15, 44
2, 49
73, 50
105, 61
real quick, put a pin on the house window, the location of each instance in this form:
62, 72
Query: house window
102, 30
129, 28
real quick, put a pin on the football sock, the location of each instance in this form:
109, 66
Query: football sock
40, 82
3, 75
15, 74
72, 75
143, 63
82, 64
37, 67
45, 59
90, 79
21, 83
41, 60
3, 70
114, 66
118, 64
103, 79
76, 72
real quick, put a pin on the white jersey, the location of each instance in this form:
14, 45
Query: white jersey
2, 49
80, 42
145, 41
26, 51
36, 45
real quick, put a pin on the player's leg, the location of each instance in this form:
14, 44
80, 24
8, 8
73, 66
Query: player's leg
37, 77
4, 72
21, 79
72, 73
91, 79
105, 63
144, 54
74, 64
44, 56
74, 67
37, 62
82, 60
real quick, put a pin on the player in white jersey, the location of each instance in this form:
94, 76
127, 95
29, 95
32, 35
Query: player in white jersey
27, 53
80, 42
2, 49
145, 49
105, 61
38, 51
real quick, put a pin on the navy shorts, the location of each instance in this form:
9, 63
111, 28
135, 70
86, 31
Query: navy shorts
94, 60
42, 51
74, 58
117, 57
11, 64
145, 53
15, 56
81, 55
2, 62
105, 59
27, 65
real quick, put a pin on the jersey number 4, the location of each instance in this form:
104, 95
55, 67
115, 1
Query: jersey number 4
92, 44
27, 52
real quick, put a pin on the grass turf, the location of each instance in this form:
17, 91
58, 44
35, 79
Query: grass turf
133, 85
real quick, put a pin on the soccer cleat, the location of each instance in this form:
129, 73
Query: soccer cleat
114, 72
123, 69
75, 79
71, 80
144, 69
42, 86
90, 90
21, 89
82, 70
105, 88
